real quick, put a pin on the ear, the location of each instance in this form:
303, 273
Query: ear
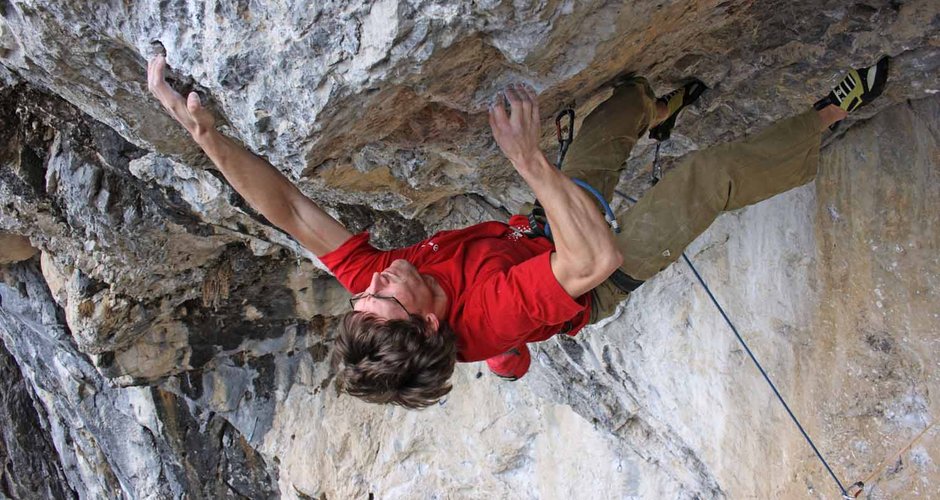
432, 320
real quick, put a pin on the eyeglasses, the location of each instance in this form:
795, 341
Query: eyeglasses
356, 298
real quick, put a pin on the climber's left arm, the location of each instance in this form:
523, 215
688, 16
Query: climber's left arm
264, 188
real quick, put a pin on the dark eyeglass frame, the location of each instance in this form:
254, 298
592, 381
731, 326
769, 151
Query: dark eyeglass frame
354, 298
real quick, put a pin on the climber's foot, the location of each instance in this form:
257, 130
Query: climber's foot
674, 102
858, 88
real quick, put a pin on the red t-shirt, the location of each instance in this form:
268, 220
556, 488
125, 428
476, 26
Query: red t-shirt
501, 292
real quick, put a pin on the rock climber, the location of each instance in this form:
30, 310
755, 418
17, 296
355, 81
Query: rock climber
485, 291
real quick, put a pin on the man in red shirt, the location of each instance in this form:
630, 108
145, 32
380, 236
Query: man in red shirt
484, 292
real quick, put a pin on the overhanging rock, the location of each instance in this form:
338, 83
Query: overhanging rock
189, 323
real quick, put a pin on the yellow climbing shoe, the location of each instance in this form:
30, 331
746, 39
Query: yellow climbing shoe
858, 88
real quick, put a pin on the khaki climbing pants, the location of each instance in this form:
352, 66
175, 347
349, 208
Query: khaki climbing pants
705, 183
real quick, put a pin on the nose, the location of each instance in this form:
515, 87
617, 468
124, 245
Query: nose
376, 283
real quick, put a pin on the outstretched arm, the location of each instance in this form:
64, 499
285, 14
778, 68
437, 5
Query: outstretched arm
263, 186
585, 252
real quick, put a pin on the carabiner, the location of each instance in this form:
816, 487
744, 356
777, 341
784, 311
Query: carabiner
570, 128
854, 491
564, 142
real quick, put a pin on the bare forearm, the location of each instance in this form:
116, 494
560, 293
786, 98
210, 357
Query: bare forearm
263, 186
585, 253
272, 194
265, 189
580, 232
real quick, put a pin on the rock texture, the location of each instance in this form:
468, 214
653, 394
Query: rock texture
169, 341
30, 463
111, 442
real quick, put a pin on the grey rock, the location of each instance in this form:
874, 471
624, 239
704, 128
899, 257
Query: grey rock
30, 463
111, 442
174, 343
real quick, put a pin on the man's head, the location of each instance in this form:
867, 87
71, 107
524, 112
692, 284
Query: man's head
393, 347
400, 291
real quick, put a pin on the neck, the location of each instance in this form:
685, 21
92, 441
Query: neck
440, 298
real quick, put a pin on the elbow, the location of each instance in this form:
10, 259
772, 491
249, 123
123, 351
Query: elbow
610, 261
580, 274
603, 264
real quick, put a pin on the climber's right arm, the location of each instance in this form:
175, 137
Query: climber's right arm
263, 186
585, 252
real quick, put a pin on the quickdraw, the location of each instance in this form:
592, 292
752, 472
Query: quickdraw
565, 135
657, 172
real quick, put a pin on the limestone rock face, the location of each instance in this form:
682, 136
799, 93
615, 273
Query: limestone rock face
31, 464
169, 341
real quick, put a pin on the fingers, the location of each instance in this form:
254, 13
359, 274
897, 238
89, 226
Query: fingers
498, 111
519, 103
193, 103
156, 81
156, 69
533, 99
523, 104
513, 97
188, 111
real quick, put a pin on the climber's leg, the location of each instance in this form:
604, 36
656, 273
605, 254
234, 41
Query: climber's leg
608, 134
687, 200
605, 142
783, 156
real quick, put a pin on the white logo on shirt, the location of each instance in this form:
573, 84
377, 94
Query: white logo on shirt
430, 244
517, 232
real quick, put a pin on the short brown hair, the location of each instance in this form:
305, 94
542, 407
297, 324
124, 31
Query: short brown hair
399, 361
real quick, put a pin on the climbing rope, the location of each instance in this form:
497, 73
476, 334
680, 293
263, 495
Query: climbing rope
764, 373
565, 135
747, 349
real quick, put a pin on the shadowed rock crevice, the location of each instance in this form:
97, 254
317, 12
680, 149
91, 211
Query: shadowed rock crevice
30, 463
161, 445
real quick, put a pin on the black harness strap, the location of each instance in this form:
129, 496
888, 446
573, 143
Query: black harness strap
624, 281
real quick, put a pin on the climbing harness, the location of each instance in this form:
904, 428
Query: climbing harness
565, 138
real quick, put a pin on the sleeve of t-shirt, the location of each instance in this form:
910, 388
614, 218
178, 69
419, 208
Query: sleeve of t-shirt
354, 262
508, 305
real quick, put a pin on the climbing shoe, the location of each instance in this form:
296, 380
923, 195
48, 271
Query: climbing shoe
676, 101
858, 88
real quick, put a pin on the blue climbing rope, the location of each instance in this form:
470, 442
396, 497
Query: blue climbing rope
565, 136
747, 349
